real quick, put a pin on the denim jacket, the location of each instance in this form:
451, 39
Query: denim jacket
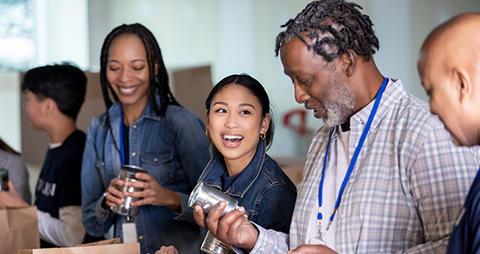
172, 148
262, 188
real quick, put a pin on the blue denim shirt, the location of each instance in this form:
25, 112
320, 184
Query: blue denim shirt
262, 188
172, 148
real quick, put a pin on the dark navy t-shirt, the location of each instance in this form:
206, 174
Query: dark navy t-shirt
59, 181
465, 237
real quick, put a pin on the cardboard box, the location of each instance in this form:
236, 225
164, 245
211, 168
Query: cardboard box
191, 87
107, 246
19, 229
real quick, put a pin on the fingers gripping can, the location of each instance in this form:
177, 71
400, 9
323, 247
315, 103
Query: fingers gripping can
127, 174
206, 197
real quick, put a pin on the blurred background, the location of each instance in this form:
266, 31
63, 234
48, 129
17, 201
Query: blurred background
219, 36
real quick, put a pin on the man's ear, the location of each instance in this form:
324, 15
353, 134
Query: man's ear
462, 84
50, 106
349, 62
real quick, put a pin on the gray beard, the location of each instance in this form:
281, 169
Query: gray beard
340, 105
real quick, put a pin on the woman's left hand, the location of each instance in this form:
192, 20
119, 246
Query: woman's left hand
153, 193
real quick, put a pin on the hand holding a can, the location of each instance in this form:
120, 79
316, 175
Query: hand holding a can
114, 196
153, 193
232, 228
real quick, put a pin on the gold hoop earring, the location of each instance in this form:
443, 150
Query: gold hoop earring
262, 136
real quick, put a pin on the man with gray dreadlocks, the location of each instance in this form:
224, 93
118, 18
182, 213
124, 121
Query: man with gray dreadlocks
382, 175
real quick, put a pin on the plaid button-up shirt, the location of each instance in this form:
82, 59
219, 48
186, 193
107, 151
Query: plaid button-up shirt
407, 188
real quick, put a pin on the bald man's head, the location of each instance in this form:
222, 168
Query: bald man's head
454, 25
456, 42
449, 68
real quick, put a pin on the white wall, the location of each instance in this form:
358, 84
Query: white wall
62, 31
233, 36
10, 109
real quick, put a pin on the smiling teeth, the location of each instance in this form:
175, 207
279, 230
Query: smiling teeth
232, 137
127, 90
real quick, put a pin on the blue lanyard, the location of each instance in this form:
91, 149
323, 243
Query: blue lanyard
122, 151
354, 158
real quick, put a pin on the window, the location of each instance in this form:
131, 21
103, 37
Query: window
17, 47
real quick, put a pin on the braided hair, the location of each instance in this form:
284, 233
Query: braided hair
334, 27
159, 87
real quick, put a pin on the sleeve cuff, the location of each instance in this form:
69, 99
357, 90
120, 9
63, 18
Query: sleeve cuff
262, 242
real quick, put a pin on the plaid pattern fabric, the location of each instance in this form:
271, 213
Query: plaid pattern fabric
407, 188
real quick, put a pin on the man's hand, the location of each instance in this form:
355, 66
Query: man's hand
312, 249
232, 228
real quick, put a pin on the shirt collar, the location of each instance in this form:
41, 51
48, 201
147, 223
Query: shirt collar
115, 112
393, 93
115, 117
216, 168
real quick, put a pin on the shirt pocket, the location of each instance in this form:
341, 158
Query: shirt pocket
160, 166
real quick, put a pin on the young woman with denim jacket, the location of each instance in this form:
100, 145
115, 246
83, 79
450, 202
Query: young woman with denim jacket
145, 126
240, 128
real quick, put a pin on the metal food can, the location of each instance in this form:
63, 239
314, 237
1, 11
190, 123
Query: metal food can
206, 197
127, 174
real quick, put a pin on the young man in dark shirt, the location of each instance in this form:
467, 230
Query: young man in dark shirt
54, 95
449, 67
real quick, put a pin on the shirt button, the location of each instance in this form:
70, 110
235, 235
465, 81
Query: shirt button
134, 126
133, 154
140, 237
155, 159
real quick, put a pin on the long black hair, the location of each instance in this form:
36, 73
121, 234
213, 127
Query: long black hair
256, 89
335, 26
159, 82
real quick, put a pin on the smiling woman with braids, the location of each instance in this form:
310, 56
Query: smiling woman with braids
144, 126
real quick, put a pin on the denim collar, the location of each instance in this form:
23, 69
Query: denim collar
212, 174
115, 116
115, 112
